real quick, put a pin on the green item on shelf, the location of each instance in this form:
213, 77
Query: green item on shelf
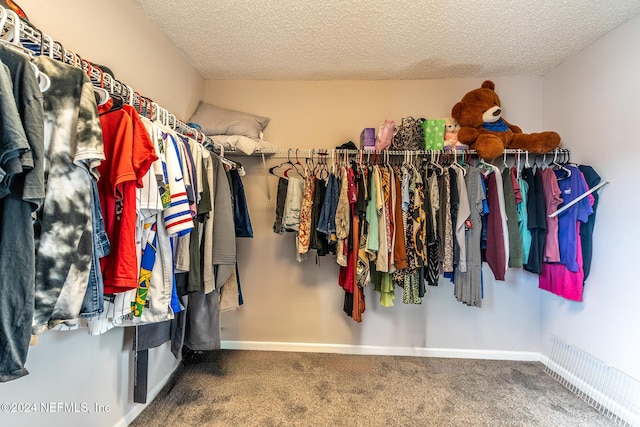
433, 134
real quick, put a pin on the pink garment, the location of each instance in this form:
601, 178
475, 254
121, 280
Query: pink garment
558, 279
553, 199
385, 135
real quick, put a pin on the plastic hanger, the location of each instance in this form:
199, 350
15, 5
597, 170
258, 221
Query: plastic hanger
3, 17
300, 169
434, 165
285, 169
485, 167
278, 169
102, 95
558, 166
457, 165
11, 39
47, 38
13, 31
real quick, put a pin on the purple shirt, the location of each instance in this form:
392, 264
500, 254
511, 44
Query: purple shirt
571, 188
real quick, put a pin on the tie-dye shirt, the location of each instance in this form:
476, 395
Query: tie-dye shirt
73, 150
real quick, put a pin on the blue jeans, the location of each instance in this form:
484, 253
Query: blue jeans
93, 303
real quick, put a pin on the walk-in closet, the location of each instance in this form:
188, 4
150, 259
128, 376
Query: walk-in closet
224, 214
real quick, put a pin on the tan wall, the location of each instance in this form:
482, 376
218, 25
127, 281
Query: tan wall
324, 114
287, 302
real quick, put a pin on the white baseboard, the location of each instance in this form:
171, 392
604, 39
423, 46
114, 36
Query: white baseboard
528, 356
138, 408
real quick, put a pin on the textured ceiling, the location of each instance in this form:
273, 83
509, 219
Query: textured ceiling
382, 39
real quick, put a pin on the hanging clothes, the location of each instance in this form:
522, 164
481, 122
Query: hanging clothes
64, 231
28, 99
342, 218
586, 230
129, 153
327, 220
432, 206
318, 240
566, 279
523, 221
281, 195
515, 243
447, 228
571, 188
400, 249
292, 204
536, 220
21, 192
304, 230
414, 223
468, 284
463, 212
495, 253
363, 276
382, 254
409, 279
553, 199
455, 200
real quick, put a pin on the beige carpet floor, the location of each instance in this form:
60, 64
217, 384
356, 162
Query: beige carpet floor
251, 388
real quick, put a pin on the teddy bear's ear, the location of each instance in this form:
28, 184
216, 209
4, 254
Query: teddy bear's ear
488, 84
456, 111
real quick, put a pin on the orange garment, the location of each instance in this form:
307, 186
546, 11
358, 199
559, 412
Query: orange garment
358, 295
400, 248
129, 154
390, 217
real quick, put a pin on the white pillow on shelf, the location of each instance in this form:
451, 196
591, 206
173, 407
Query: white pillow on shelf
215, 120
238, 142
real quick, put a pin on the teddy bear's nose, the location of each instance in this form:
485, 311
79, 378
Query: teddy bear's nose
497, 112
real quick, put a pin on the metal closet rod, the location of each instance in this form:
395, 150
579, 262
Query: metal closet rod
43, 44
313, 152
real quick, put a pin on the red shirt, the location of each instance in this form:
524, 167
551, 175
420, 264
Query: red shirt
129, 154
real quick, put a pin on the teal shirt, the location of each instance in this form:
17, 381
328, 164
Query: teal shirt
525, 234
372, 217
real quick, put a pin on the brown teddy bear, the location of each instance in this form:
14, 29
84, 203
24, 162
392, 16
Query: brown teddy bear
484, 130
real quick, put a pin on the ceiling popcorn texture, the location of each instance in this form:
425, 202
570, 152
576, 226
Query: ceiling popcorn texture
382, 39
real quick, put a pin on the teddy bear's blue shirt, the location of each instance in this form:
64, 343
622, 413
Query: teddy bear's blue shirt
499, 126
